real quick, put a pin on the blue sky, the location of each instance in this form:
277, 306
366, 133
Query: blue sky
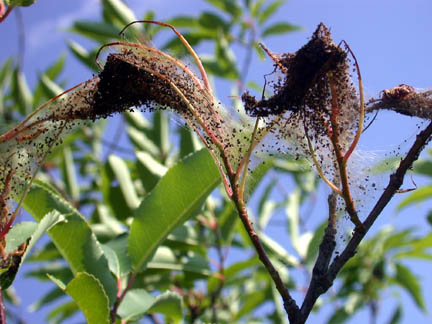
391, 40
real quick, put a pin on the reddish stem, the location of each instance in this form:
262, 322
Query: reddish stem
8, 11
120, 296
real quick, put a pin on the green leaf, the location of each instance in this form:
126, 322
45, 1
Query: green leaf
164, 258
48, 298
98, 31
69, 174
5, 73
135, 304
160, 133
142, 142
278, 251
169, 304
252, 300
313, 247
22, 3
189, 142
387, 165
116, 253
62, 312
123, 176
73, 237
55, 69
423, 167
230, 6
417, 196
410, 282
18, 235
183, 21
211, 20
120, 10
83, 55
49, 87
87, 291
21, 92
256, 8
279, 28
176, 197
292, 212
396, 316
269, 11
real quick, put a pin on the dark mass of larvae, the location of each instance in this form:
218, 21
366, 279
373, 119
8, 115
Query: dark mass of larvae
305, 82
404, 99
123, 85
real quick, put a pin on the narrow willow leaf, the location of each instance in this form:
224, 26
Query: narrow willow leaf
256, 8
98, 31
211, 20
62, 312
73, 237
176, 197
137, 120
313, 247
183, 21
119, 9
54, 70
164, 258
142, 142
169, 304
87, 291
230, 6
21, 91
292, 212
279, 28
82, 55
5, 73
135, 305
410, 282
252, 300
49, 87
48, 298
396, 316
278, 251
161, 132
69, 174
416, 197
269, 11
123, 176
22, 3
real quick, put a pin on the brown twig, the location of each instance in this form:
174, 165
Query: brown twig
325, 253
335, 134
395, 183
290, 304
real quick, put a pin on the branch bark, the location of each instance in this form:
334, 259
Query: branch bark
324, 274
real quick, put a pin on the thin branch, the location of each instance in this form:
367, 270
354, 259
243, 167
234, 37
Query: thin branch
335, 135
8, 11
121, 296
290, 304
325, 253
395, 183
185, 43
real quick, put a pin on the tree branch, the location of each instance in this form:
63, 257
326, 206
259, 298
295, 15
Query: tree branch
325, 253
